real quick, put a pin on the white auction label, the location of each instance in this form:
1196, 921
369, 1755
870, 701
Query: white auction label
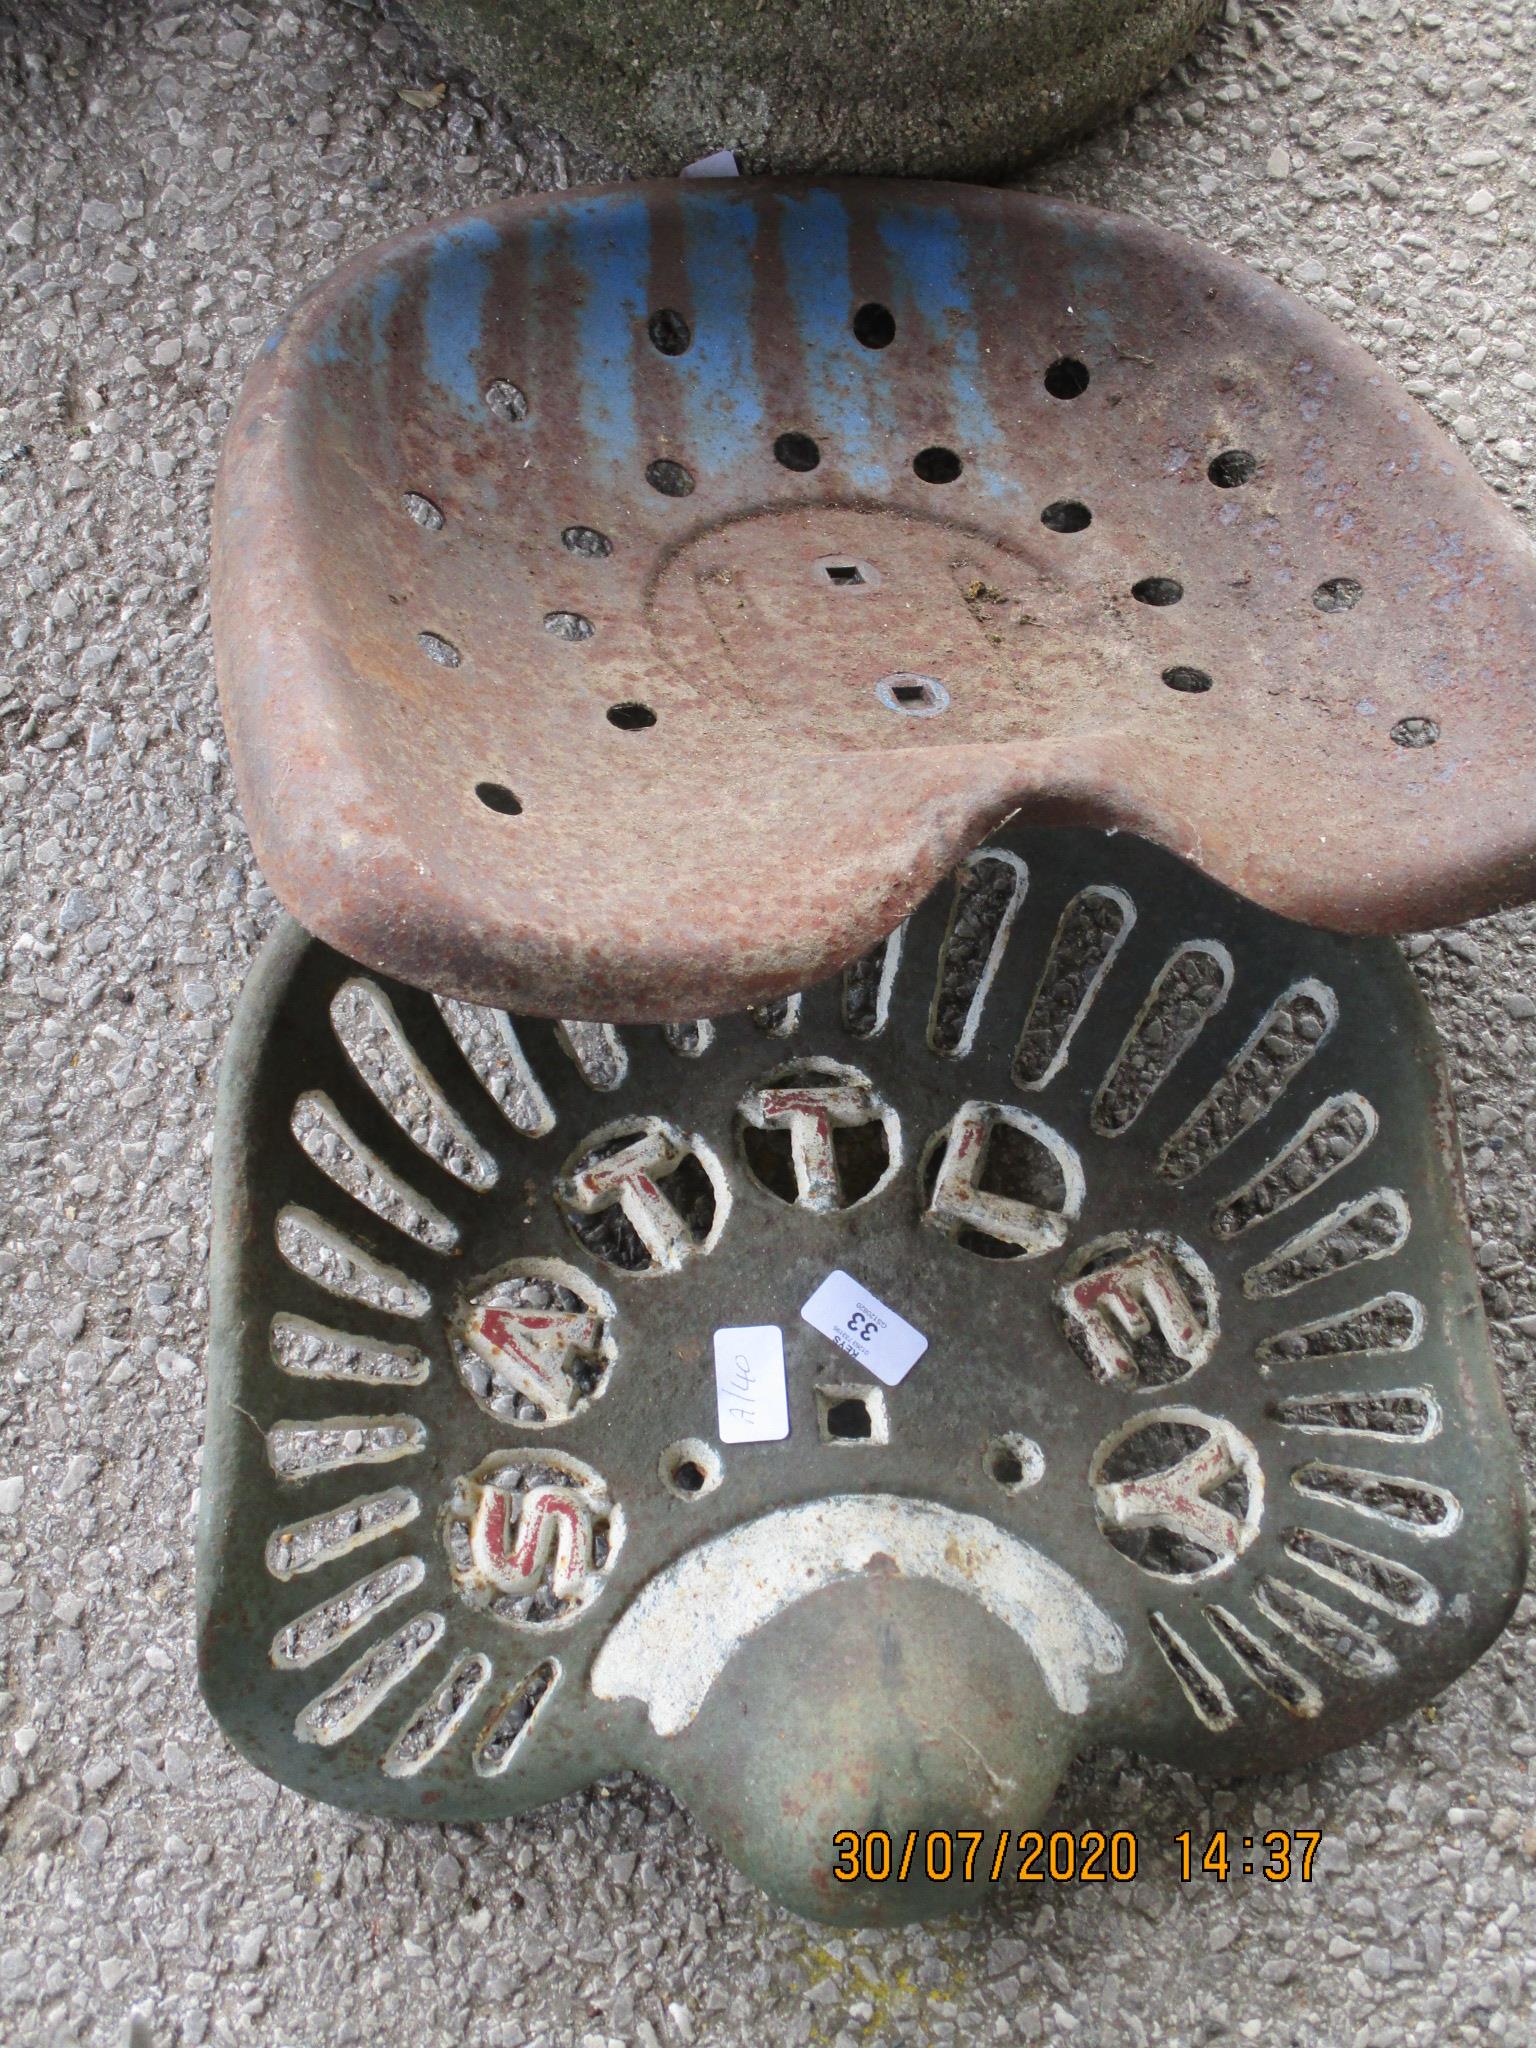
865, 1328
751, 1399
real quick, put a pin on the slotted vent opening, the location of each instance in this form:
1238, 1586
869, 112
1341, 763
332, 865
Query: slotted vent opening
439, 1717
690, 1040
324, 1628
1374, 1227
1410, 1414
319, 1540
989, 888
308, 1351
1381, 1582
1189, 990
507, 1727
1411, 1504
364, 1686
867, 987
598, 1051
1205, 1692
324, 1255
370, 1033
1330, 1138
491, 1045
1390, 1322
342, 1157
1265, 1666
1289, 1037
1322, 1630
1092, 929
300, 1450
778, 1019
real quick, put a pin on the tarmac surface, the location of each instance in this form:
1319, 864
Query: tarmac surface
170, 179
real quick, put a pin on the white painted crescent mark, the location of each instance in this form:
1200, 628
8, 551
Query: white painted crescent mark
672, 1642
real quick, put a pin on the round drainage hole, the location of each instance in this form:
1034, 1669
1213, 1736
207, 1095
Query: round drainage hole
1192, 681
504, 402
497, 797
1157, 590
1067, 378
631, 717
586, 540
569, 625
937, 465
1015, 1462
1066, 515
913, 695
669, 477
437, 649
428, 517
1338, 594
1415, 732
1233, 466
874, 325
691, 1468
796, 451
669, 331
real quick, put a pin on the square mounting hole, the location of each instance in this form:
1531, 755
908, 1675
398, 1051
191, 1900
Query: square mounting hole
913, 696
852, 1415
845, 572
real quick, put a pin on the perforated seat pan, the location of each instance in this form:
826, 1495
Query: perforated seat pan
428, 445
851, 1627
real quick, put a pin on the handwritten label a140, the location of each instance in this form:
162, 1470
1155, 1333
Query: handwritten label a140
751, 1399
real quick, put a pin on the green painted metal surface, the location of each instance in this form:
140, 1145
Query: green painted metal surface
1205, 1455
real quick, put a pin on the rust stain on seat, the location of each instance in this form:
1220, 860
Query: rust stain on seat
628, 604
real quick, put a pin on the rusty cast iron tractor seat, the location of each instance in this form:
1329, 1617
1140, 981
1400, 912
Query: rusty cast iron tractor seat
630, 604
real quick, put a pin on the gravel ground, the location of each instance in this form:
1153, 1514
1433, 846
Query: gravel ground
171, 177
